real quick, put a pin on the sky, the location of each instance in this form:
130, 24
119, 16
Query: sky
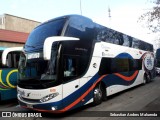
124, 13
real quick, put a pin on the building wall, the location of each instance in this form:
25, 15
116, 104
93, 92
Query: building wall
10, 44
19, 24
2, 25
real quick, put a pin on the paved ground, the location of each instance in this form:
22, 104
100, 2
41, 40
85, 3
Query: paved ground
143, 98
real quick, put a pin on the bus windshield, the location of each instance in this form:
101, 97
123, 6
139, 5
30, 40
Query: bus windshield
38, 68
39, 34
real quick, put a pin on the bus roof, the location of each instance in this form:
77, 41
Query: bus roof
63, 17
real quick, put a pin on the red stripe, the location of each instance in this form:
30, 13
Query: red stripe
130, 78
75, 102
84, 95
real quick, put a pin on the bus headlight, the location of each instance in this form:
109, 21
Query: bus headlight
49, 97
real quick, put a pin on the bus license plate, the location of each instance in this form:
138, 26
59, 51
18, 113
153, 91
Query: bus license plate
29, 106
33, 55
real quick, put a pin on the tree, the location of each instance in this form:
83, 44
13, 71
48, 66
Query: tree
152, 17
152, 21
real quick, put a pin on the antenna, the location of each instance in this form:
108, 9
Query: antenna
109, 15
80, 7
109, 12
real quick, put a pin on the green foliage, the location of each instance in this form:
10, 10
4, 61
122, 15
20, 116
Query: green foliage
152, 17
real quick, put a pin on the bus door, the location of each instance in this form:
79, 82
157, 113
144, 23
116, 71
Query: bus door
71, 83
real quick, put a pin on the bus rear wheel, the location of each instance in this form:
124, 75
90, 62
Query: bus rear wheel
147, 78
97, 95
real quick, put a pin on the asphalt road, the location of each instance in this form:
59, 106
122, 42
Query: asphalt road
141, 98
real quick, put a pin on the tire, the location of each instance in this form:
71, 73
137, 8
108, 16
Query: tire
148, 77
104, 95
144, 79
97, 95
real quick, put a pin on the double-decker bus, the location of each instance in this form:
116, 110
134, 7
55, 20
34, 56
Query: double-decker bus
8, 73
71, 61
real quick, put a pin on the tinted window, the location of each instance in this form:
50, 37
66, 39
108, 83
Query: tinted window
158, 53
109, 35
0, 59
142, 45
70, 67
39, 34
115, 65
82, 28
12, 60
135, 64
135, 43
149, 47
158, 63
73, 67
126, 41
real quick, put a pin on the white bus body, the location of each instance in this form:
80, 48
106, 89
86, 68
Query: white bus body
92, 63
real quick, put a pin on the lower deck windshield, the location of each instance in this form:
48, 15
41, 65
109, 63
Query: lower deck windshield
38, 69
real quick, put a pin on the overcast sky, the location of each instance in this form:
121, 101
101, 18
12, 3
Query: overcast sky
124, 13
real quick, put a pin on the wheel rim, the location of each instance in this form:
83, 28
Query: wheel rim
98, 94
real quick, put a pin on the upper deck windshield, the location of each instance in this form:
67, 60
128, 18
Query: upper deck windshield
39, 34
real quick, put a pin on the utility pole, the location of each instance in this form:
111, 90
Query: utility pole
109, 12
80, 7
109, 16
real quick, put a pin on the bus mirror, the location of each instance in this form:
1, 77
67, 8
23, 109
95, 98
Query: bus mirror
48, 44
7, 51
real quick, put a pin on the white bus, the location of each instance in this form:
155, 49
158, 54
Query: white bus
71, 61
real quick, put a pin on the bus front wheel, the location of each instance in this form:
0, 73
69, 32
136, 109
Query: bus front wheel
97, 95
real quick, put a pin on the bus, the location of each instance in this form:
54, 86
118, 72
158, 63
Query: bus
8, 74
158, 61
71, 61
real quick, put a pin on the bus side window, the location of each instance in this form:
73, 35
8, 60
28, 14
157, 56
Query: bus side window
113, 65
1, 59
135, 43
109, 36
13, 59
126, 41
135, 64
9, 60
70, 67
